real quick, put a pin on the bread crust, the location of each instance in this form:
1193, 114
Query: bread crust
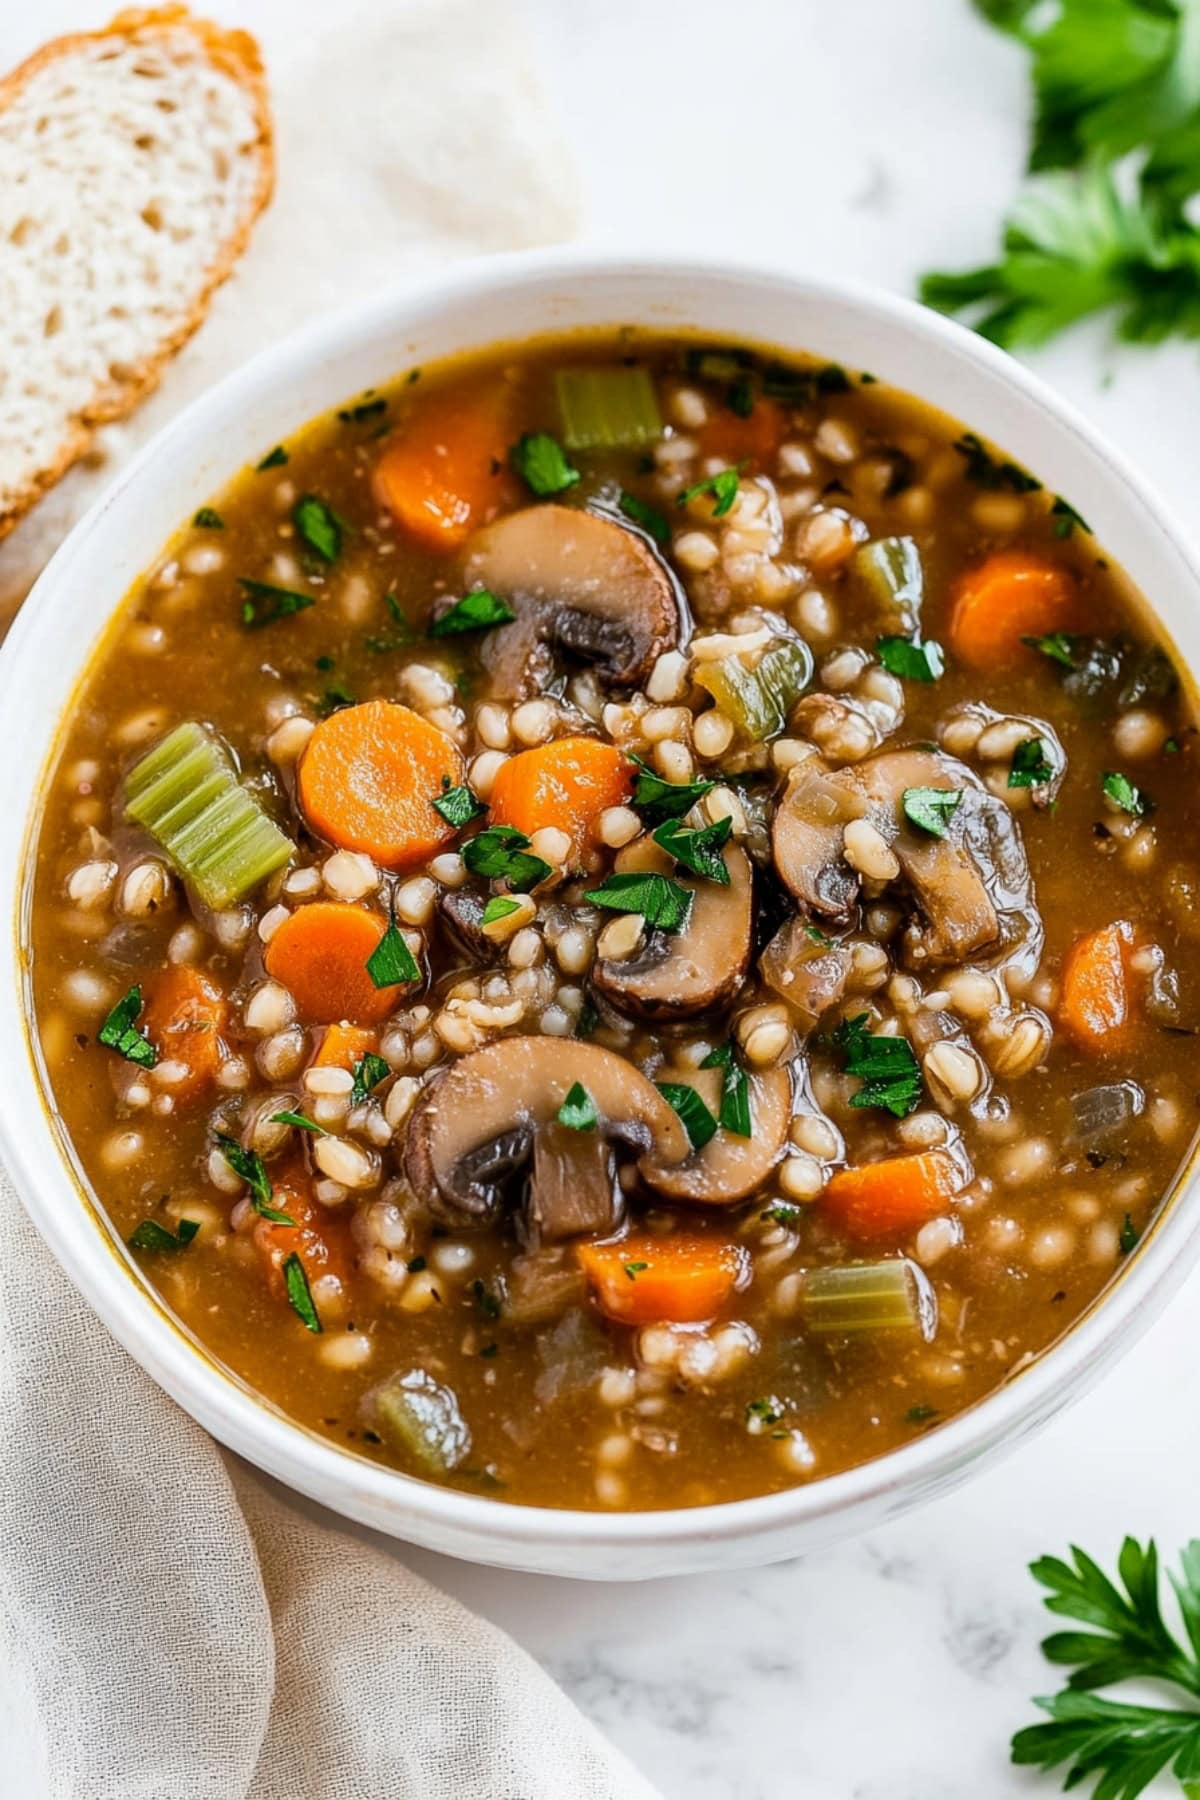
236, 54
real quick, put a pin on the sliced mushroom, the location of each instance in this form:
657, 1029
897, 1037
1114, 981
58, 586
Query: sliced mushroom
972, 885
806, 969
681, 974
729, 1167
476, 1128
573, 1189
580, 582
461, 911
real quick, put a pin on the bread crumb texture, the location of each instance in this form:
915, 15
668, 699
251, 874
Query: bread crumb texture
133, 163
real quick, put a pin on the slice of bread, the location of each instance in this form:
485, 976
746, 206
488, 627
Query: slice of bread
133, 163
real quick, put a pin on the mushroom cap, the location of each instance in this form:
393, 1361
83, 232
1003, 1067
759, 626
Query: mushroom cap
582, 582
677, 975
729, 1167
808, 971
475, 1125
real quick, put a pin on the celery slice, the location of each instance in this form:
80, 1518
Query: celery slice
892, 571
893, 1295
758, 700
419, 1416
607, 409
186, 794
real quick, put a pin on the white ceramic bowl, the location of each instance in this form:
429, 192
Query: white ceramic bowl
510, 298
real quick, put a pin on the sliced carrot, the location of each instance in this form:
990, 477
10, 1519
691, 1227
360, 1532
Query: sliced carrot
320, 955
754, 439
445, 472
680, 1278
319, 1237
186, 1014
1094, 1006
344, 1045
891, 1197
368, 779
1010, 596
567, 783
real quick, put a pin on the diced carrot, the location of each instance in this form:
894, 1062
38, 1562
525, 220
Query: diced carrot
567, 783
320, 955
1010, 596
319, 1237
344, 1045
445, 471
680, 1278
1094, 1006
754, 439
369, 776
186, 1013
892, 1197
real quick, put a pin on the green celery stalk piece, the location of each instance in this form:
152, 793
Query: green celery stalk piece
607, 409
759, 700
892, 1295
892, 570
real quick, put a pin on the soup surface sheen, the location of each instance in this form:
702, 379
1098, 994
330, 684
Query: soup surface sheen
653, 955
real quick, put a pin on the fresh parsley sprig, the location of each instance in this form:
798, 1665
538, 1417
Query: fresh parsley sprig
887, 1067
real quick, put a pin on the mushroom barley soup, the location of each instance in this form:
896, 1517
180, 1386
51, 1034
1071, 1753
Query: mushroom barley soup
616, 923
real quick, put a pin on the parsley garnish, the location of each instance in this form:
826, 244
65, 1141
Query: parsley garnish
335, 699
119, 1031
320, 527
739, 396
699, 851
887, 1067
921, 1414
150, 1235
578, 1110
661, 901
818, 936
369, 1071
300, 1294
694, 1116
264, 603
477, 611
988, 471
1125, 793
391, 961
931, 808
767, 1411
586, 1023
911, 662
645, 515
274, 459
1066, 518
656, 798
634, 1269
458, 806
365, 409
501, 853
782, 1212
415, 1264
301, 1121
1031, 765
208, 519
1059, 646
734, 1111
1130, 1236
541, 462
723, 486
488, 1303
250, 1166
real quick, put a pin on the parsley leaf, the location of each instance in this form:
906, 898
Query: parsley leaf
458, 806
477, 611
911, 662
734, 1112
656, 798
634, 1269
767, 1411
890, 1072
319, 526
391, 961
648, 517
694, 1116
578, 1110
723, 487
334, 699
363, 410
150, 1235
699, 851
264, 603
501, 853
119, 1031
274, 459
588, 1020
931, 808
498, 907
1129, 1236
541, 462
489, 1303
1125, 793
250, 1166
988, 471
208, 519
1059, 646
369, 1071
1031, 765
1066, 518
300, 1294
301, 1121
661, 901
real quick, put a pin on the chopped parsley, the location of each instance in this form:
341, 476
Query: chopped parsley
1059, 646
250, 1166
887, 1067
693, 1114
335, 699
477, 611
120, 1032
1031, 765
1066, 519
364, 410
458, 806
578, 1110
501, 853
264, 603
391, 961
209, 519
1130, 1236
301, 1121
415, 1264
988, 471
656, 798
498, 907
818, 936
588, 1020
648, 517
782, 1212
661, 901
723, 487
931, 808
319, 526
274, 459
911, 662
541, 462
734, 1111
488, 1302
739, 396
921, 1414
300, 1294
1125, 793
369, 1071
634, 1269
699, 851
767, 1411
150, 1235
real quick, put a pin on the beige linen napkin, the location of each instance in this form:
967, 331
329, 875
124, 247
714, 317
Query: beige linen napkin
169, 1630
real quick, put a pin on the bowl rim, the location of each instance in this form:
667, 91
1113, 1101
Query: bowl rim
42, 1167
